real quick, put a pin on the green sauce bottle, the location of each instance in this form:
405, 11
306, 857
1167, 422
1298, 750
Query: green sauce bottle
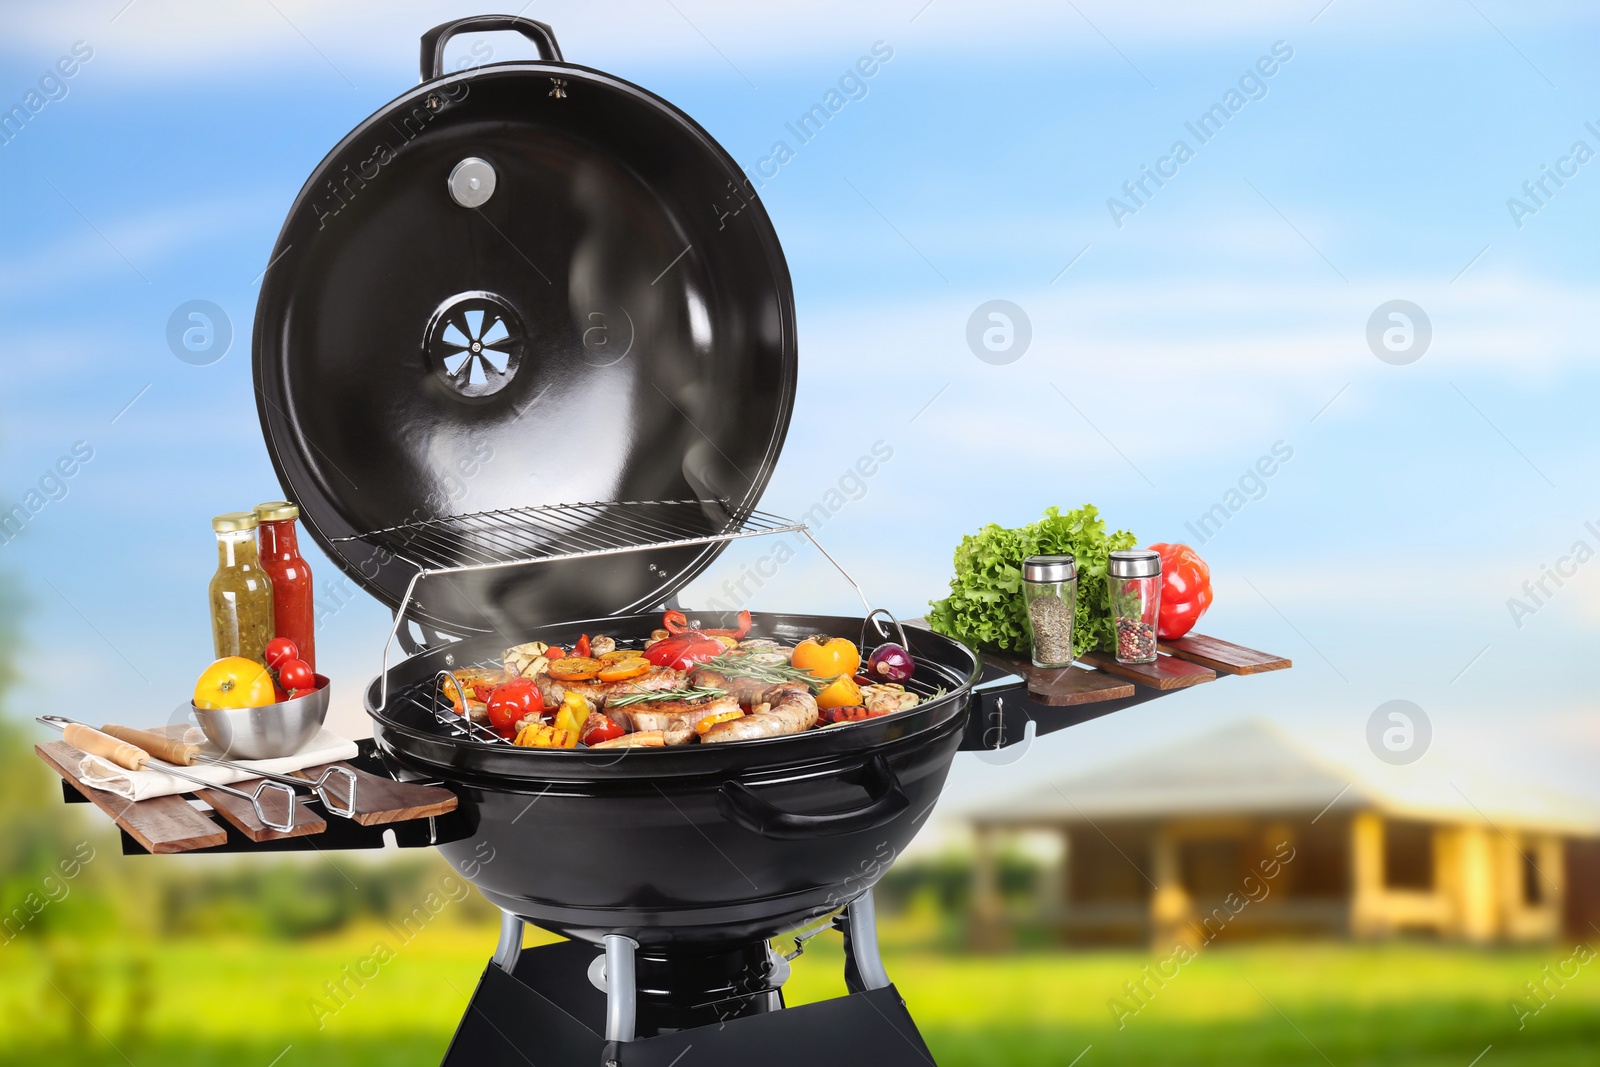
241, 594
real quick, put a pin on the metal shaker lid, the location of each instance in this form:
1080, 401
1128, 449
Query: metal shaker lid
1134, 563
1049, 569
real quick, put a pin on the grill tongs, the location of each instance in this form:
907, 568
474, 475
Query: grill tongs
126, 753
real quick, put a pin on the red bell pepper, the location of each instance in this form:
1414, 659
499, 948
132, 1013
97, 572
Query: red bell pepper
682, 651
676, 622
582, 647
1185, 589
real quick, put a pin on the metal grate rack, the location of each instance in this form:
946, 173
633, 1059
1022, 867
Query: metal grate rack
516, 537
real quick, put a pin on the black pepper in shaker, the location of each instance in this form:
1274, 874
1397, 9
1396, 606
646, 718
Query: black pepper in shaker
1050, 593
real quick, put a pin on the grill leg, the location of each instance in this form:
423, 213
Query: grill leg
509, 949
861, 945
622, 988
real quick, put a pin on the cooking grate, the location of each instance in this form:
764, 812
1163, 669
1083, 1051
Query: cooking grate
515, 536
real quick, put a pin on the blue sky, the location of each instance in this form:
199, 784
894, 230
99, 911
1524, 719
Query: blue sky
1233, 305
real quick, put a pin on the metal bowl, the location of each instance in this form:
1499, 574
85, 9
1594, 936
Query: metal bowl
268, 732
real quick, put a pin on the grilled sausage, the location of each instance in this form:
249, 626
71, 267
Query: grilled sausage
789, 709
746, 691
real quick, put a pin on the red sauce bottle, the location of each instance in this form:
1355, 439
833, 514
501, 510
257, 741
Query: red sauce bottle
292, 612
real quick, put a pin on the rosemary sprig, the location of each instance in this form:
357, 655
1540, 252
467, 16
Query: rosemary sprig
697, 692
770, 673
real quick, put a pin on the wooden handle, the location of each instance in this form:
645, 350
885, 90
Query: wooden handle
162, 748
92, 741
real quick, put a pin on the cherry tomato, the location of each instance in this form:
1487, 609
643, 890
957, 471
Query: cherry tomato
297, 674
582, 647
280, 650
555, 653
598, 728
512, 701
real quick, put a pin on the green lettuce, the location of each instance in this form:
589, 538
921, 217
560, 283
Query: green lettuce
985, 606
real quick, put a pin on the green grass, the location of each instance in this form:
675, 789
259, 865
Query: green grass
243, 1002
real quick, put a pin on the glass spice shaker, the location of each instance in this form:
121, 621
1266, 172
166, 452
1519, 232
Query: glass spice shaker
1134, 577
1050, 593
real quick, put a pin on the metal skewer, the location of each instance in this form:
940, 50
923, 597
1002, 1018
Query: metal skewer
134, 758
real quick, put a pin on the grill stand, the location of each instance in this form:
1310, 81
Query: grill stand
542, 1005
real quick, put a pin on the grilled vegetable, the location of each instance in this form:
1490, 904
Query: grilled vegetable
574, 668
572, 714
598, 728
676, 622
840, 693
539, 735
890, 662
826, 657
582, 647
852, 713
644, 739
620, 670
601, 646
513, 701
682, 651
712, 720
525, 661
1185, 590
888, 698
478, 683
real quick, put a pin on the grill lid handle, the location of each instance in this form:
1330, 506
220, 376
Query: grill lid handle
886, 800
433, 42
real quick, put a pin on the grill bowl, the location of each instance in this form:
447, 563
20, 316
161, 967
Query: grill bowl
661, 844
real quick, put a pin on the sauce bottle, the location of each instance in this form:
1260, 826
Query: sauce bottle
241, 594
292, 612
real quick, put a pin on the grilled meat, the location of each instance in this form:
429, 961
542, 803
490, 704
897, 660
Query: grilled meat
676, 719
655, 680
785, 708
746, 691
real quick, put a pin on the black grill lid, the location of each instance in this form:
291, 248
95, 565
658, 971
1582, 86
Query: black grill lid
522, 285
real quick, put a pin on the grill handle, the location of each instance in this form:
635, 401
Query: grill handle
433, 42
886, 800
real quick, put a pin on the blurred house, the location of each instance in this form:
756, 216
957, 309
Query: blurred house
1244, 832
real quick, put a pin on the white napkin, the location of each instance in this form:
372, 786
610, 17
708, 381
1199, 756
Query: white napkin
326, 747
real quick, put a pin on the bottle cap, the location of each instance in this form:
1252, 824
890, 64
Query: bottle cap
277, 511
234, 522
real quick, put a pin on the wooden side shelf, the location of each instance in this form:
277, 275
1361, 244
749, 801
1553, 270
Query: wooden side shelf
177, 824
1098, 677
1224, 656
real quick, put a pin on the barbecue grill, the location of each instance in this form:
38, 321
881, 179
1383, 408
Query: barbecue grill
539, 288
